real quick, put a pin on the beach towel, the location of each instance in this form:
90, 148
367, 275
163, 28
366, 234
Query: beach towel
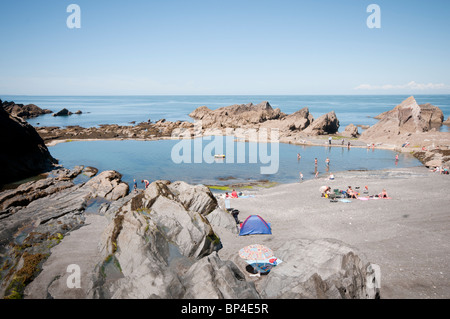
345, 200
246, 196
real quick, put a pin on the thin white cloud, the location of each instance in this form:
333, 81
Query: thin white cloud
411, 86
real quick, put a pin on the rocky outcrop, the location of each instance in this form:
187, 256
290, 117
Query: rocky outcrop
407, 117
326, 124
430, 114
23, 111
292, 123
434, 158
23, 152
238, 115
447, 121
164, 250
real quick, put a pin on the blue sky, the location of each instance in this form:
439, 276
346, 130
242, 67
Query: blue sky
224, 47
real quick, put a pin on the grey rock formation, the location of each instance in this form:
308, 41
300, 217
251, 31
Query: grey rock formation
50, 209
162, 249
320, 269
195, 198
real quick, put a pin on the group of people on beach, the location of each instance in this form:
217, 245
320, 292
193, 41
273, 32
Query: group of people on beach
234, 194
441, 170
350, 192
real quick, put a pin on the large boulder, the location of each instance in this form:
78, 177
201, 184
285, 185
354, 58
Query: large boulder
325, 124
23, 152
320, 269
350, 131
63, 112
299, 120
196, 198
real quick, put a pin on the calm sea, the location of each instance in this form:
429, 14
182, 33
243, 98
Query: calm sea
125, 109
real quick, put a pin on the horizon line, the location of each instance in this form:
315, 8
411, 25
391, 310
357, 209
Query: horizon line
323, 94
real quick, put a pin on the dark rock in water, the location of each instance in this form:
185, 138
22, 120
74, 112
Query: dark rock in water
23, 111
78, 112
23, 152
63, 112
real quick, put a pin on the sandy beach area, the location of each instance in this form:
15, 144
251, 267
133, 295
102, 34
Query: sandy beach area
408, 236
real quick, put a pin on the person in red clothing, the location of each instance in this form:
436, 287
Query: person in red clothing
234, 194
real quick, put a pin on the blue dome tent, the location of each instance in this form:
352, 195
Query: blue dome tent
255, 224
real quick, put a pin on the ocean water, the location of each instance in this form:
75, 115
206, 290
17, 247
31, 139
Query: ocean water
355, 109
155, 160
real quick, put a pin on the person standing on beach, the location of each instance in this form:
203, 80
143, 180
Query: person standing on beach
301, 176
329, 140
135, 185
